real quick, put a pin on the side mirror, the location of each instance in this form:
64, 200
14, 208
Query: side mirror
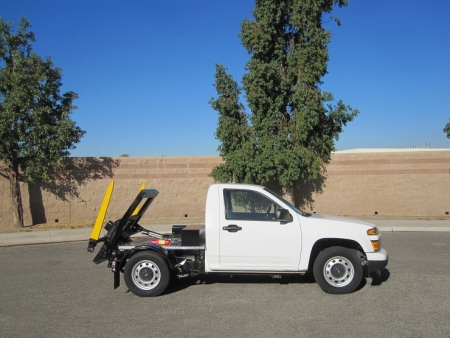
283, 215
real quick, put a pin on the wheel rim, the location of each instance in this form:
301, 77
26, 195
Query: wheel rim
338, 271
146, 275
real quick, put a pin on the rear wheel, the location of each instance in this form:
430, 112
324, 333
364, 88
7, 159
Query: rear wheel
146, 274
338, 270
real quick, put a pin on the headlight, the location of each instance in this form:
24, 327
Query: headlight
373, 232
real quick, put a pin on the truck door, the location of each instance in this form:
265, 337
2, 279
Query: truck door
250, 236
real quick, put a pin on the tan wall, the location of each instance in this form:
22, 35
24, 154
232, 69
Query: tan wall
394, 184
181, 181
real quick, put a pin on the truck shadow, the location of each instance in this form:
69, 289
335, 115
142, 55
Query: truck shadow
184, 283
376, 280
383, 277
180, 284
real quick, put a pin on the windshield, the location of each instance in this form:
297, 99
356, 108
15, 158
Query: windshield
282, 199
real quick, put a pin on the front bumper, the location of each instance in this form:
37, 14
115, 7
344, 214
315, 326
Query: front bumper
377, 261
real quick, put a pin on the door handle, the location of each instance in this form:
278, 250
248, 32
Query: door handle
232, 228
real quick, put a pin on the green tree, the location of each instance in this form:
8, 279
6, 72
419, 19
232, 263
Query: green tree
36, 132
447, 129
233, 131
289, 135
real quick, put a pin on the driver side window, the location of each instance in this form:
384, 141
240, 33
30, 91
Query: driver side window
249, 205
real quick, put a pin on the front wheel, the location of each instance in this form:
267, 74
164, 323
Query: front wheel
146, 274
338, 270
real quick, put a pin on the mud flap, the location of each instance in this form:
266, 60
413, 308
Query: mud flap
116, 279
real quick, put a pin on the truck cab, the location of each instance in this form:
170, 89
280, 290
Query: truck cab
244, 233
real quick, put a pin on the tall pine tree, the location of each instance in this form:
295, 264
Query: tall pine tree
288, 138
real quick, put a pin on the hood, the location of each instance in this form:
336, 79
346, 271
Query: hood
338, 220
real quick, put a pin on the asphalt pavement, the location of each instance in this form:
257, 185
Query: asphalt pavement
56, 290
74, 235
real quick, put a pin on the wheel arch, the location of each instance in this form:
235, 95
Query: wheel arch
152, 248
329, 242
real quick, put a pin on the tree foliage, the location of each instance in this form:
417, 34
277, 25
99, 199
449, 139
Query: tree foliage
289, 135
233, 131
447, 129
36, 132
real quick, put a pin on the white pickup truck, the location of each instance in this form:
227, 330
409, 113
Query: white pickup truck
248, 230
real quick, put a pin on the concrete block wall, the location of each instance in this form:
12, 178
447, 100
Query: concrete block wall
182, 183
389, 184
403, 183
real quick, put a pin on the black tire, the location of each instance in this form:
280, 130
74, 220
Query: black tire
338, 270
147, 274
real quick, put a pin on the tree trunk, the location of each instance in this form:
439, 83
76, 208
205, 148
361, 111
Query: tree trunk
16, 197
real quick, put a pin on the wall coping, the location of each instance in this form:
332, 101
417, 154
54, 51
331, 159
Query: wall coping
389, 150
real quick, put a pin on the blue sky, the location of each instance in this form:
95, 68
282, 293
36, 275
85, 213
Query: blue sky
144, 69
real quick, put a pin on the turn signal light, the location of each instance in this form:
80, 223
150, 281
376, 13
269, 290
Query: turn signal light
373, 231
375, 245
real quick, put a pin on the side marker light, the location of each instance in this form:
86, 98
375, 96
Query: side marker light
375, 245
